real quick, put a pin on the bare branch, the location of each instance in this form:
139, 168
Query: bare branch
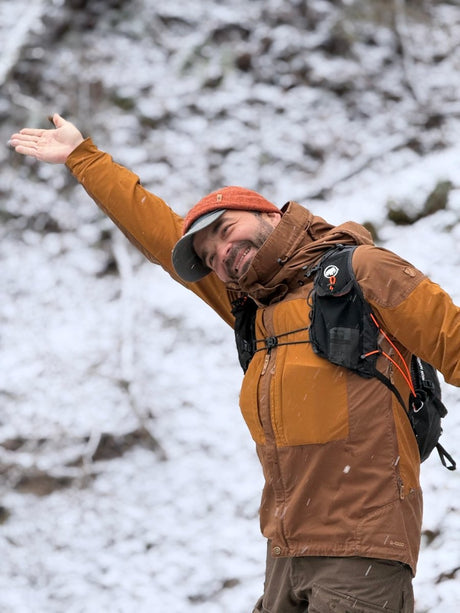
14, 38
127, 352
402, 32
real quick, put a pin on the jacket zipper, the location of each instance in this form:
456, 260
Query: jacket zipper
270, 437
402, 493
265, 366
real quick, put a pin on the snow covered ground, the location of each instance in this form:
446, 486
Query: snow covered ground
85, 352
181, 533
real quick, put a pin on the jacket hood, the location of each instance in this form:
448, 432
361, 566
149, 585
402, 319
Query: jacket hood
294, 246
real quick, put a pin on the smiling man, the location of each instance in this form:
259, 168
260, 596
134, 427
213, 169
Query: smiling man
222, 233
341, 507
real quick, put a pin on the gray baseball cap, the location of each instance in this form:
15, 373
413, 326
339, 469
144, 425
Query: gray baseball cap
186, 263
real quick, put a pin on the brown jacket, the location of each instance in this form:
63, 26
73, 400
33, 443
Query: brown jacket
340, 461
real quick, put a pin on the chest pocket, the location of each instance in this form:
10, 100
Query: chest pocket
289, 393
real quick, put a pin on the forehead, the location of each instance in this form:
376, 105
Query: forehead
227, 215
202, 237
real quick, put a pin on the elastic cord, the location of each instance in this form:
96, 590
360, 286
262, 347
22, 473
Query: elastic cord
405, 372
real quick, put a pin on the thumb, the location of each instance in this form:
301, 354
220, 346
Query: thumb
58, 120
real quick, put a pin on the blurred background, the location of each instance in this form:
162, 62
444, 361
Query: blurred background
128, 480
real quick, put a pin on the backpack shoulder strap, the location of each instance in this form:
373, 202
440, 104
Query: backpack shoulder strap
334, 272
244, 310
342, 328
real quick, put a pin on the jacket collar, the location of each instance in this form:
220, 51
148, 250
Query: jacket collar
295, 245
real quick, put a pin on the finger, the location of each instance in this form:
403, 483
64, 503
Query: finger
22, 139
32, 151
32, 132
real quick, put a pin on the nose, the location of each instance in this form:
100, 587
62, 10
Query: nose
223, 251
218, 255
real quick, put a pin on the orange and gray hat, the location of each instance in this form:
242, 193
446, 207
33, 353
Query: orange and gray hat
185, 261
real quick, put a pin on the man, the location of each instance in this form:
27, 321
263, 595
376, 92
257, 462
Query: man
342, 505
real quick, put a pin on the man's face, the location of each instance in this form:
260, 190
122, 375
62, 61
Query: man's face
229, 245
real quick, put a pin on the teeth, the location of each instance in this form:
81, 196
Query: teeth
241, 257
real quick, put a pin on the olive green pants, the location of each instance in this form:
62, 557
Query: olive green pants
338, 585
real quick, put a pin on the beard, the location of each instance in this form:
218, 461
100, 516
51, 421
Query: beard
243, 252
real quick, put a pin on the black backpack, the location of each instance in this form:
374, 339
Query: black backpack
344, 330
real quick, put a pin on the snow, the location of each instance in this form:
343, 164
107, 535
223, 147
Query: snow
176, 529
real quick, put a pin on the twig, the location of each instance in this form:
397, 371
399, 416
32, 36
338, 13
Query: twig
16, 38
127, 352
402, 31
355, 169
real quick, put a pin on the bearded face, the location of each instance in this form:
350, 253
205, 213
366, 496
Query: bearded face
229, 245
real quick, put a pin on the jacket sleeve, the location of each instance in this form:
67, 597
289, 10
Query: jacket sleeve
417, 312
145, 219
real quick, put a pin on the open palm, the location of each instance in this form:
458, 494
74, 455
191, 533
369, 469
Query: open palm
53, 145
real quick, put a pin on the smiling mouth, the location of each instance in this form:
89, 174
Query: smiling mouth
240, 258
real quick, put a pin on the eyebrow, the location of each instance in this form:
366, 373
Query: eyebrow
214, 229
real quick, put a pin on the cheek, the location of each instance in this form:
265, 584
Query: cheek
198, 247
222, 274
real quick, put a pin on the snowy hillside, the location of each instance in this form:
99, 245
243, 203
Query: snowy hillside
129, 481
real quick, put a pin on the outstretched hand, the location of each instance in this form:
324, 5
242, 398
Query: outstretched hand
53, 145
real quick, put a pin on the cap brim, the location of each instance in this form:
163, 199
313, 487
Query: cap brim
186, 263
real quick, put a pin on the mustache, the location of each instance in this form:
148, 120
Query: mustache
237, 252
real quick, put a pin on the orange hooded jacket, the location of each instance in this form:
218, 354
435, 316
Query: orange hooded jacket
340, 461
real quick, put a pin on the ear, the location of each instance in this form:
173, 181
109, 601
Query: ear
274, 217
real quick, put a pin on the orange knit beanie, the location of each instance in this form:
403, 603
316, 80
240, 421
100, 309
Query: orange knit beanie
228, 198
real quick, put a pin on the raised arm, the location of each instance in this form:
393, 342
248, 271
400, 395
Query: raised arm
53, 145
146, 220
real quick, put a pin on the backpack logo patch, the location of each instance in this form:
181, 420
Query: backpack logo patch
331, 271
